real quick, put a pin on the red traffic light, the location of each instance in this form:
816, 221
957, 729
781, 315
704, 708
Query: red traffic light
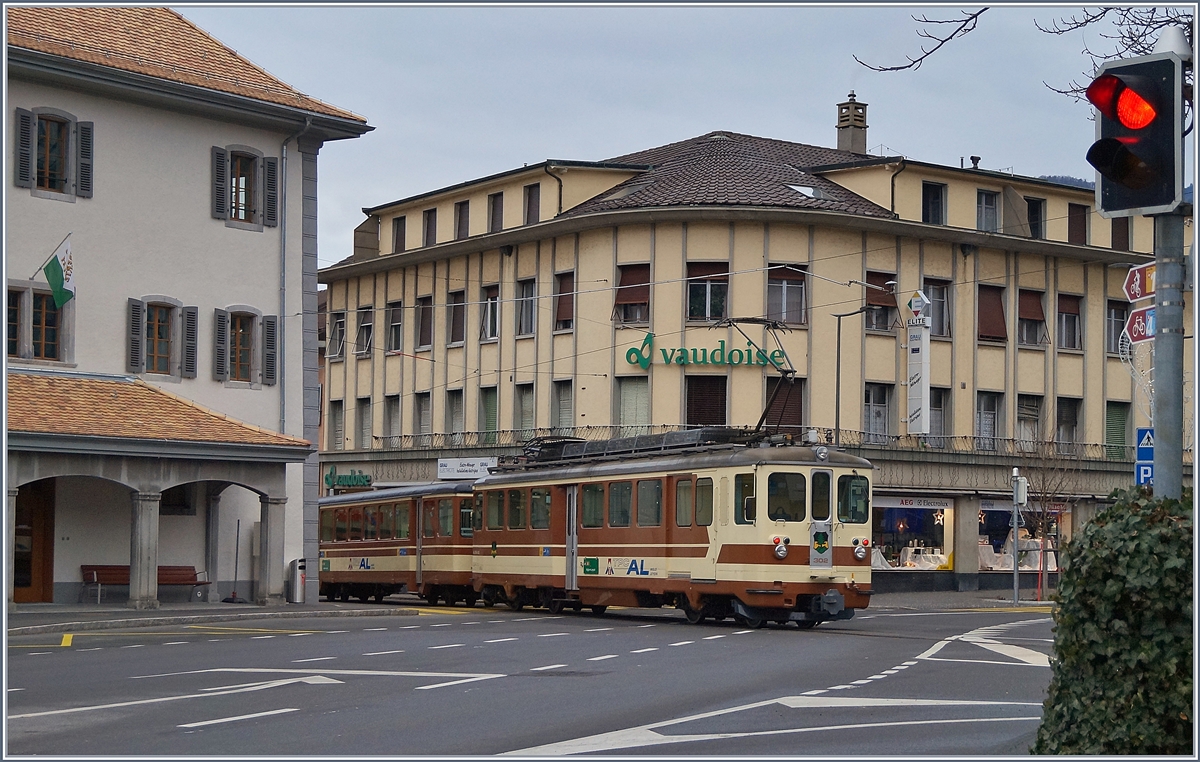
1124, 99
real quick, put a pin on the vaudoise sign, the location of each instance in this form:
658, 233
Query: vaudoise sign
643, 356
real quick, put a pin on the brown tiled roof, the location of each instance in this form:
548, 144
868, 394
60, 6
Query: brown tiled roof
126, 408
731, 169
157, 42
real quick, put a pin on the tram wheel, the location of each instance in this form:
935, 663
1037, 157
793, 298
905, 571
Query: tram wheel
694, 616
754, 623
379, 596
516, 604
344, 594
471, 600
598, 610
556, 606
432, 596
577, 607
806, 624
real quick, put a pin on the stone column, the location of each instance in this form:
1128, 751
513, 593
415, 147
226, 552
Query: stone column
966, 543
212, 534
10, 546
143, 551
271, 568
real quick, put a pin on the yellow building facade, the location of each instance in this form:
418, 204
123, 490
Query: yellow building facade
594, 299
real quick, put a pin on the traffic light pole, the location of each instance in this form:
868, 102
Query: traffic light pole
1168, 353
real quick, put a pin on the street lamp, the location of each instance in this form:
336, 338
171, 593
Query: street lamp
837, 393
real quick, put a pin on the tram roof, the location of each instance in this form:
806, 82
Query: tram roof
421, 489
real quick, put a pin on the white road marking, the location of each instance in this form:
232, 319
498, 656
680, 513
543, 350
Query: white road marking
466, 623
81, 650
210, 640
499, 640
259, 637
409, 627
840, 687
495, 621
529, 619
443, 624
743, 632
553, 634
382, 653
682, 643
139, 645
815, 693
336, 632
176, 643
643, 650
876, 677
599, 629
900, 667
714, 637
448, 645
643, 625
983, 637
889, 671
235, 719
315, 658
374, 629
299, 634
39, 653
910, 664
10, 690
455, 682
549, 666
860, 682
602, 658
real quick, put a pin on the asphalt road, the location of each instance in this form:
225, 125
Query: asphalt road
491, 681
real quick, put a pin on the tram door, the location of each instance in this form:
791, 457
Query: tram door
423, 508
572, 539
820, 547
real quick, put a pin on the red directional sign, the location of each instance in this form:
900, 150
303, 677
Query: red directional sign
1140, 325
1139, 282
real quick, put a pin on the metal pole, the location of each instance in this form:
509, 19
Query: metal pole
1168, 354
1016, 542
837, 394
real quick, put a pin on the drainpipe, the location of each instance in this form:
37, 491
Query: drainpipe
546, 169
903, 166
280, 375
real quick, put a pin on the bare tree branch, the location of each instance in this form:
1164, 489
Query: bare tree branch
964, 26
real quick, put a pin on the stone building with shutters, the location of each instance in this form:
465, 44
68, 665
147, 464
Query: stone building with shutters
164, 414
593, 299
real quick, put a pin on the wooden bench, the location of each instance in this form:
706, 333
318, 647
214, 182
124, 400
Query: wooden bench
110, 574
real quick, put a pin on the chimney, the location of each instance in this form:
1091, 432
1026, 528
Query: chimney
975, 162
852, 126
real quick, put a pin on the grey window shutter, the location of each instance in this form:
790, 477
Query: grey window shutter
135, 361
220, 183
23, 161
271, 192
85, 132
191, 335
221, 346
270, 349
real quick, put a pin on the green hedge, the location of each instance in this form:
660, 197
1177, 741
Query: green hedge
1122, 666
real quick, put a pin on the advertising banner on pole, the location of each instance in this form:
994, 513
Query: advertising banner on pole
918, 365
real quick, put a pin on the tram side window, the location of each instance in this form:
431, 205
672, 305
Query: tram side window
429, 517
356, 521
516, 509
403, 520
786, 497
704, 502
446, 518
477, 514
539, 509
649, 503
620, 497
465, 511
495, 510
820, 496
684, 503
593, 505
339, 525
854, 499
386, 521
743, 487
326, 526
371, 523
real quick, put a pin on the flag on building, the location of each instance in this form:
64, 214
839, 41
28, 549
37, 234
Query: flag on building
60, 273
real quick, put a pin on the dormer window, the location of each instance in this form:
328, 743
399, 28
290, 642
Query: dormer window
809, 191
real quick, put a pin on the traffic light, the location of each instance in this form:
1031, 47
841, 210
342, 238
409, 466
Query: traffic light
1138, 152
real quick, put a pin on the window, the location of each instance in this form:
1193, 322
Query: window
14, 323
403, 520
526, 307
241, 189
685, 503
704, 502
1067, 425
708, 287
462, 220
523, 411
445, 517
337, 336
488, 413
785, 295
490, 314
44, 328
854, 499
337, 425
533, 203
423, 417
456, 422
466, 526
395, 326
1031, 320
53, 153
876, 415
633, 295
633, 405
1036, 211
991, 314
1077, 224
456, 316
327, 525
562, 415
987, 420
494, 509
391, 415
1069, 327
158, 336
424, 322
881, 298
366, 329
241, 345
245, 187
495, 211
593, 505
1117, 314
938, 401
933, 203
1029, 422
744, 509
1116, 432
620, 499
987, 205
399, 230
706, 400
356, 523
786, 497
938, 292
539, 508
362, 431
1120, 233
649, 503
564, 302
38, 328
786, 411
429, 227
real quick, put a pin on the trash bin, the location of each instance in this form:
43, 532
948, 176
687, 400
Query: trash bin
298, 577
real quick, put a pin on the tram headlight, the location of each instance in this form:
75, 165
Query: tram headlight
860, 552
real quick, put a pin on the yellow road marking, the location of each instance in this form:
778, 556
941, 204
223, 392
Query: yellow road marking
209, 629
454, 612
66, 640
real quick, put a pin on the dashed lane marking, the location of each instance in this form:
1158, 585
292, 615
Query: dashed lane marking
383, 653
602, 658
499, 640
443, 624
10, 690
599, 629
139, 645
262, 637
448, 645
548, 666
315, 658
235, 719
713, 637
682, 643
643, 650
553, 634
38, 653
176, 643
81, 650
377, 629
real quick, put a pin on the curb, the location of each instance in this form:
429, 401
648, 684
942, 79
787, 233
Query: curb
159, 621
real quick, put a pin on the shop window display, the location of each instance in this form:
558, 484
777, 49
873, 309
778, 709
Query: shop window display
911, 538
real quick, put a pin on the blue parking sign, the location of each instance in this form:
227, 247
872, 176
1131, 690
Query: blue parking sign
1144, 473
1145, 444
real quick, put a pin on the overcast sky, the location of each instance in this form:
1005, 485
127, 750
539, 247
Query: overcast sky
457, 93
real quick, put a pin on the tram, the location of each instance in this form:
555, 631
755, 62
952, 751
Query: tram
717, 522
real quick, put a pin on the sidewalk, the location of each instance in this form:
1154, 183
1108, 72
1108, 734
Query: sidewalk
39, 618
